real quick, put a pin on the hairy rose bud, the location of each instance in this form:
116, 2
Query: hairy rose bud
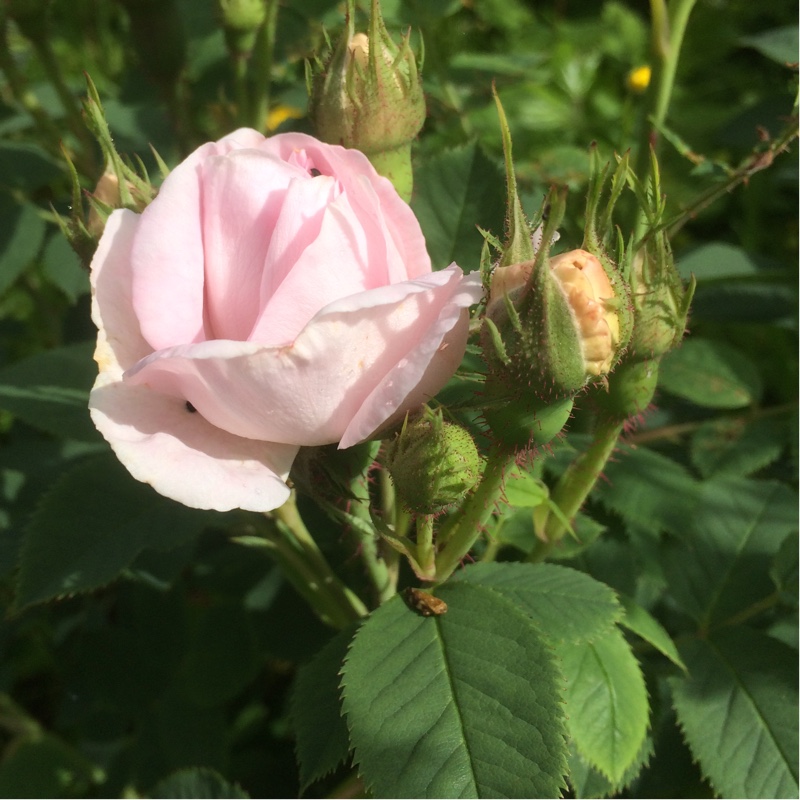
369, 97
557, 322
433, 464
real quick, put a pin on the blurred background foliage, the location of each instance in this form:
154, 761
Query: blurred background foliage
111, 692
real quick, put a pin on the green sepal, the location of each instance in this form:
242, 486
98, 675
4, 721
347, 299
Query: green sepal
518, 246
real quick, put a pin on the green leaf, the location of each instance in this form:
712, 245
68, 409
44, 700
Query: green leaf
722, 565
779, 44
21, 237
50, 391
711, 374
783, 571
523, 490
644, 624
607, 709
453, 192
26, 166
738, 712
316, 710
61, 266
466, 704
44, 766
586, 781
197, 782
209, 675
91, 525
715, 261
565, 604
738, 446
642, 486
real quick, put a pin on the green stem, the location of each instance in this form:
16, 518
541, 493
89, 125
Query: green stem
264, 54
575, 485
462, 535
240, 63
668, 28
426, 555
759, 607
755, 162
384, 581
310, 572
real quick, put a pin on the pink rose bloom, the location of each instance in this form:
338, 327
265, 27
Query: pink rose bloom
277, 293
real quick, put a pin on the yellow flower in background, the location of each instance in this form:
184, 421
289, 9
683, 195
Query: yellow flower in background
278, 115
638, 79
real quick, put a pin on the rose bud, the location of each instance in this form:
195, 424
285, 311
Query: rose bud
525, 421
433, 464
241, 20
557, 320
276, 294
660, 301
369, 96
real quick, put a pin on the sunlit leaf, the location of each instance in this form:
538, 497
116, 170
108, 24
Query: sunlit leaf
607, 708
466, 704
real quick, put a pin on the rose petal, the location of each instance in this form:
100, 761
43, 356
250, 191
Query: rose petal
168, 260
239, 218
380, 200
309, 392
334, 264
407, 386
184, 457
120, 343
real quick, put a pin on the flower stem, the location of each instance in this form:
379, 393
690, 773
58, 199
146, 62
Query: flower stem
377, 563
308, 569
668, 27
263, 58
468, 525
575, 485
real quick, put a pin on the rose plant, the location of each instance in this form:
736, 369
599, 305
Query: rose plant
277, 293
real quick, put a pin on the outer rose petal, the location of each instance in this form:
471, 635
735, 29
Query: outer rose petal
119, 342
157, 439
416, 379
308, 393
184, 457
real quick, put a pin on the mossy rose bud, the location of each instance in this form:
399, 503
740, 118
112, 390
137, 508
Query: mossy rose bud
557, 319
369, 97
433, 464
660, 301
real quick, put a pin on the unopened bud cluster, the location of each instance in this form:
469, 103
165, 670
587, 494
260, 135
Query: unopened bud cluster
555, 324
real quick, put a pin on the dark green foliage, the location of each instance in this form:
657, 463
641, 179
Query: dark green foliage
146, 651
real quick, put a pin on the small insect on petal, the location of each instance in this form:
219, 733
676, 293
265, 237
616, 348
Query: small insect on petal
424, 603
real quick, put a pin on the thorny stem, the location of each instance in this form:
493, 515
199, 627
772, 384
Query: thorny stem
459, 538
27, 99
679, 429
575, 485
755, 162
